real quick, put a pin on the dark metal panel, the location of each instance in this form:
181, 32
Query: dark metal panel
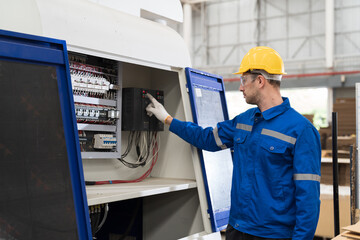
41, 176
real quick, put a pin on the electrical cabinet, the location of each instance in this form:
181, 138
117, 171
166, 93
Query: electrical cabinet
173, 175
96, 95
106, 56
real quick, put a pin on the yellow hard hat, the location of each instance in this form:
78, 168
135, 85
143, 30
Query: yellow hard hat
262, 58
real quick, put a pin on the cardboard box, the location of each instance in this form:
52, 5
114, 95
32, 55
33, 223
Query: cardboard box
346, 109
327, 174
309, 117
324, 134
325, 226
343, 145
351, 232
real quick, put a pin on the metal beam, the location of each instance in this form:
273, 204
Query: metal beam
231, 52
195, 1
329, 33
271, 3
299, 48
263, 18
346, 36
326, 81
265, 41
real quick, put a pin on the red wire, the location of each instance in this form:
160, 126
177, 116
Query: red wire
145, 175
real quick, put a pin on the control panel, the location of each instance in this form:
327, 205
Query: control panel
134, 103
96, 89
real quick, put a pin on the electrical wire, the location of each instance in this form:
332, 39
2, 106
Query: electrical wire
104, 218
142, 145
97, 218
129, 146
155, 146
143, 148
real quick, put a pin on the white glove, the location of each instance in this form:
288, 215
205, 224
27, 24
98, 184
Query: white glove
157, 109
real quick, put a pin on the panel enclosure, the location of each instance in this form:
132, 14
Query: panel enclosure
41, 176
97, 97
173, 171
207, 96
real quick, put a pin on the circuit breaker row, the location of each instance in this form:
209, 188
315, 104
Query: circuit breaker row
92, 81
96, 114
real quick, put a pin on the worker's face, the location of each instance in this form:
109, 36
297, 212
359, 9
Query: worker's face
248, 88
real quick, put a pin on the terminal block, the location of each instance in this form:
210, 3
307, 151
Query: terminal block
104, 141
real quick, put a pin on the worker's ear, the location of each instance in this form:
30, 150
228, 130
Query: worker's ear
261, 80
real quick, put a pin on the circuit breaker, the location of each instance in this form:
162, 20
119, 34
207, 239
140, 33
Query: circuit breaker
134, 116
95, 89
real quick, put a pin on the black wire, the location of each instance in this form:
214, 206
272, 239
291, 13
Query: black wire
90, 182
144, 159
98, 215
148, 146
128, 164
127, 151
92, 223
129, 146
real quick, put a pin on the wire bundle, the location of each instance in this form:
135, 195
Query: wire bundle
146, 143
96, 212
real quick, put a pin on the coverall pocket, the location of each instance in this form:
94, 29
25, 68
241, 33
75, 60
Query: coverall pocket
275, 203
239, 138
273, 147
274, 159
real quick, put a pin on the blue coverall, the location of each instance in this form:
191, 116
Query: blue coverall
276, 169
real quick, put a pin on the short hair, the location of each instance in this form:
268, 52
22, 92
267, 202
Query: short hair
274, 83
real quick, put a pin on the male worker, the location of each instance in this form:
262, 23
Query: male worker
276, 166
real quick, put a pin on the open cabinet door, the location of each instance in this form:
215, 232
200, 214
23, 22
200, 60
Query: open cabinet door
41, 176
208, 105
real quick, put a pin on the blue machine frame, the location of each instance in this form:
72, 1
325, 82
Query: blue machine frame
46, 51
198, 79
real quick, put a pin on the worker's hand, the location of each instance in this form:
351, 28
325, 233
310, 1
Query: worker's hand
157, 109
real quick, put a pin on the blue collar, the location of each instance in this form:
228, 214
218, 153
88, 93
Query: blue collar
274, 111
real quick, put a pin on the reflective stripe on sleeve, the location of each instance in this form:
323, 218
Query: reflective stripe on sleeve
244, 127
278, 135
311, 177
218, 140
